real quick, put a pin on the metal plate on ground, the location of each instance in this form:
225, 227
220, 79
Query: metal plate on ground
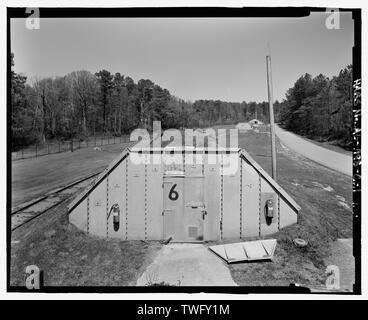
246, 251
235, 252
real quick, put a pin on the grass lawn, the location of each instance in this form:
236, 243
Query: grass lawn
70, 257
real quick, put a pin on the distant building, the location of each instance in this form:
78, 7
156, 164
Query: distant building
243, 126
255, 122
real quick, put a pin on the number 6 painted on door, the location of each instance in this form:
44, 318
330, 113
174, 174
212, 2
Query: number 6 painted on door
173, 195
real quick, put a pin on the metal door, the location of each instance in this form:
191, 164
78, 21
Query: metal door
194, 209
173, 197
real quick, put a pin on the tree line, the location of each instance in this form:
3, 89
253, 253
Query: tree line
81, 104
320, 108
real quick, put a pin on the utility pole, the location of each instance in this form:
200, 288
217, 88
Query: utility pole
272, 120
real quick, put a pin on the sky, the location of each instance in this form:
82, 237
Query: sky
194, 58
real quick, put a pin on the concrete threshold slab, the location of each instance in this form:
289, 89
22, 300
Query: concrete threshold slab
186, 264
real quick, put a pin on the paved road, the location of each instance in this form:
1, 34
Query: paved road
331, 159
187, 264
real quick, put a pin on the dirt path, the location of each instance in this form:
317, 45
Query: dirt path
186, 264
331, 159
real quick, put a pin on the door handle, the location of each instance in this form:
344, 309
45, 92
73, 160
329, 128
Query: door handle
204, 213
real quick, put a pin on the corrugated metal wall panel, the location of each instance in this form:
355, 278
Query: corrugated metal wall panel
136, 201
154, 201
231, 200
98, 210
250, 203
212, 187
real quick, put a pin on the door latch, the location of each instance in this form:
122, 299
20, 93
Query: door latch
204, 213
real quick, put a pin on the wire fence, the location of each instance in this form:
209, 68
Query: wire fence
47, 148
39, 150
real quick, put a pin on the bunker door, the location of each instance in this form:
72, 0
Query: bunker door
194, 209
173, 207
